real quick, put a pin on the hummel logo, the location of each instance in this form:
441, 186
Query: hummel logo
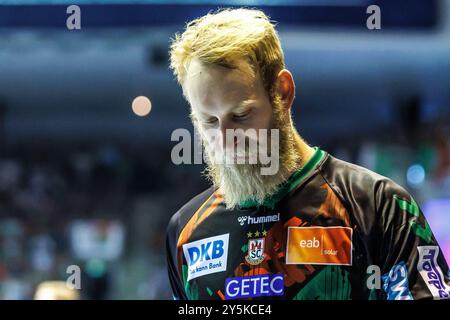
255, 220
242, 220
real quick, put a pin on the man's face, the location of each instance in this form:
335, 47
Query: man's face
235, 99
226, 99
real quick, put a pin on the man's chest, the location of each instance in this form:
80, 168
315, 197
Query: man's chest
292, 254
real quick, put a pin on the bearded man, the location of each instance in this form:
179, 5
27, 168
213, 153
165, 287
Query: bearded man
315, 227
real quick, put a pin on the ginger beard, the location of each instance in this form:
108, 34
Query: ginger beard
243, 182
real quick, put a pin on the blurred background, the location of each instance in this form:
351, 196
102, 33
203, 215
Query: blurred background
86, 179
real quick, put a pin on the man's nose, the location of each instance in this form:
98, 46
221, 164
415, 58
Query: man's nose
228, 126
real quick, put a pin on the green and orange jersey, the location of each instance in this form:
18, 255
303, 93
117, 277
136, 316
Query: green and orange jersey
334, 230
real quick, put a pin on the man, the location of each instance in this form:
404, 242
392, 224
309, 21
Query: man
310, 230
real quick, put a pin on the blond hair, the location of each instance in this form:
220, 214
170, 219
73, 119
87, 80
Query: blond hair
227, 36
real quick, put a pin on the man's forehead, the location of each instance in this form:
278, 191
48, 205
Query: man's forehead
207, 85
194, 69
241, 71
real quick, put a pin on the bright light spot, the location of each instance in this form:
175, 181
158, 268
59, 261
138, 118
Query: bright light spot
141, 106
415, 175
55, 290
45, 294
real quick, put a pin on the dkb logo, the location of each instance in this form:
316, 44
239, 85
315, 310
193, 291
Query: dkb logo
206, 256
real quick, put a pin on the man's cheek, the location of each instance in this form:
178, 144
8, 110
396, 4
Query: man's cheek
213, 145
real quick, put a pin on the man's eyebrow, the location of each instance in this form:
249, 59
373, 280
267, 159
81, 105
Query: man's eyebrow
245, 103
201, 115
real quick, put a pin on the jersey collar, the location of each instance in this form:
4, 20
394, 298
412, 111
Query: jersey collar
294, 180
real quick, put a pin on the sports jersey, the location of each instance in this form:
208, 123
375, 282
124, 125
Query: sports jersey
333, 231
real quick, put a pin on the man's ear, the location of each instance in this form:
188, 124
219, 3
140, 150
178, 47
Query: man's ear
286, 88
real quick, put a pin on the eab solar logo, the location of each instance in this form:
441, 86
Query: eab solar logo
206, 256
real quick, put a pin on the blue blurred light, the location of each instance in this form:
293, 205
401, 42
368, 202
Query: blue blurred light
96, 268
415, 175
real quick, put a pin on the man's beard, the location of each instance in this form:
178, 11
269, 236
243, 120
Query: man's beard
244, 182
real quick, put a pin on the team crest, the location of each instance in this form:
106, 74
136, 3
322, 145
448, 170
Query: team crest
256, 253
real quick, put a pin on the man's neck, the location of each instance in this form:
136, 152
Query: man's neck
306, 152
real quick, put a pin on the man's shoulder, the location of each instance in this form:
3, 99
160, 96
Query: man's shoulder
182, 216
349, 178
337, 170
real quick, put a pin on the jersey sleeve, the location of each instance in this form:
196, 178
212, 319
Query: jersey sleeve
411, 262
174, 228
175, 280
